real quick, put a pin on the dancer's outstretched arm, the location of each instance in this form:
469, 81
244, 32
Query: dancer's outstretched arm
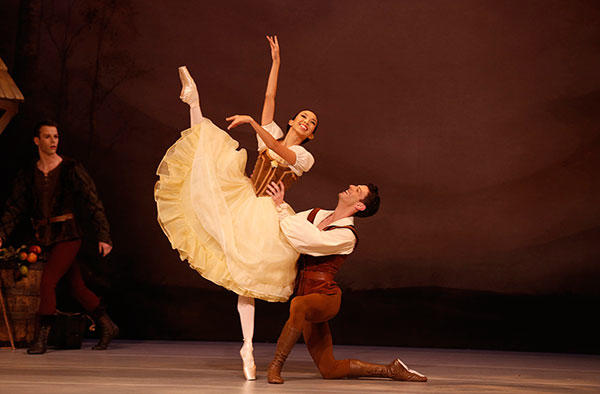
189, 94
276, 146
269, 105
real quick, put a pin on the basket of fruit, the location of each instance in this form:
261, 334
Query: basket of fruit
20, 276
20, 258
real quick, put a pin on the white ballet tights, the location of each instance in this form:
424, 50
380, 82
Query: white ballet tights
195, 115
245, 308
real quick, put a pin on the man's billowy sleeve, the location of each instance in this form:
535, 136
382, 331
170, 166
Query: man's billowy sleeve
306, 238
284, 210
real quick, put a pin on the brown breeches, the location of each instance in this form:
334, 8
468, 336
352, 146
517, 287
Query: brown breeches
62, 260
311, 313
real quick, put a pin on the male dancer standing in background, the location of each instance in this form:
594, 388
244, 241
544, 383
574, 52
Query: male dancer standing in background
57, 193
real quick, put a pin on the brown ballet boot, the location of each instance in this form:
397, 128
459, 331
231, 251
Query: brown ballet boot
43, 326
107, 328
399, 371
396, 370
288, 338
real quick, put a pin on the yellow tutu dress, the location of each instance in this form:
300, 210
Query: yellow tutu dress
210, 213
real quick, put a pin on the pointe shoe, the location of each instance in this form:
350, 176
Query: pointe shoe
248, 361
189, 92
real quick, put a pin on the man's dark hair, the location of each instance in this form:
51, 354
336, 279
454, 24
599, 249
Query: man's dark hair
371, 202
45, 122
314, 130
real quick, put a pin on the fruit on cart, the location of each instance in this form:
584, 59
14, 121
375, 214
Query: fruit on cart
23, 270
32, 257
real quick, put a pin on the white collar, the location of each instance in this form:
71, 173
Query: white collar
323, 213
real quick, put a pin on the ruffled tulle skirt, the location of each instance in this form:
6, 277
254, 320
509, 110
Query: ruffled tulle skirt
209, 211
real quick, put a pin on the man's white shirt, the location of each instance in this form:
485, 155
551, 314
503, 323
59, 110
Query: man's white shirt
306, 238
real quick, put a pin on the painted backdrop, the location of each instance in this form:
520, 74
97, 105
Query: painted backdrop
477, 119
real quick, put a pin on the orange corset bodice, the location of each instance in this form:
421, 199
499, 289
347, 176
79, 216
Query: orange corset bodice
267, 170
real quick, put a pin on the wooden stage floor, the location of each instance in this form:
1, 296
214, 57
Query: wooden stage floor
215, 367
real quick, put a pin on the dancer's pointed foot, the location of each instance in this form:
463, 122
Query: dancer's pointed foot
246, 352
189, 92
399, 371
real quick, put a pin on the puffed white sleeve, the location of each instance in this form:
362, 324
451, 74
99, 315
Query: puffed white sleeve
306, 238
284, 210
273, 129
304, 160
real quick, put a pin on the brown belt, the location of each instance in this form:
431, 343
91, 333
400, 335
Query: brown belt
55, 219
318, 275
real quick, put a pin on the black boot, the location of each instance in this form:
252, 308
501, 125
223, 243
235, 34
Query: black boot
43, 326
107, 328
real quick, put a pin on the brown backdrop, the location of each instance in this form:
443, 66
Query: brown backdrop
477, 119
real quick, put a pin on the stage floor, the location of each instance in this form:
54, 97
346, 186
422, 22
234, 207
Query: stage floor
215, 367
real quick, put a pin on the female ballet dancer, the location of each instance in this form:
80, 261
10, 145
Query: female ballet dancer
223, 223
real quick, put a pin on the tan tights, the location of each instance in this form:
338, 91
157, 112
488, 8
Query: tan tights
311, 313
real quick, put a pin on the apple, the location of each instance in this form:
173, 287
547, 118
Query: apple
32, 257
35, 249
23, 270
23, 256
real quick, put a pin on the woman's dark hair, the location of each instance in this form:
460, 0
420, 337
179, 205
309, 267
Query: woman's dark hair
314, 130
45, 122
371, 202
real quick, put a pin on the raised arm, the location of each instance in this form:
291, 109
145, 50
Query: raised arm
276, 146
269, 104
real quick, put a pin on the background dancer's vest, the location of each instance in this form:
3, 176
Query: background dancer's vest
316, 274
267, 170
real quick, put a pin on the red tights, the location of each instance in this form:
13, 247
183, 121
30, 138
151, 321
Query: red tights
62, 260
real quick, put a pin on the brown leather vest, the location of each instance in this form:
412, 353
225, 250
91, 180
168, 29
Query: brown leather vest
317, 273
267, 170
